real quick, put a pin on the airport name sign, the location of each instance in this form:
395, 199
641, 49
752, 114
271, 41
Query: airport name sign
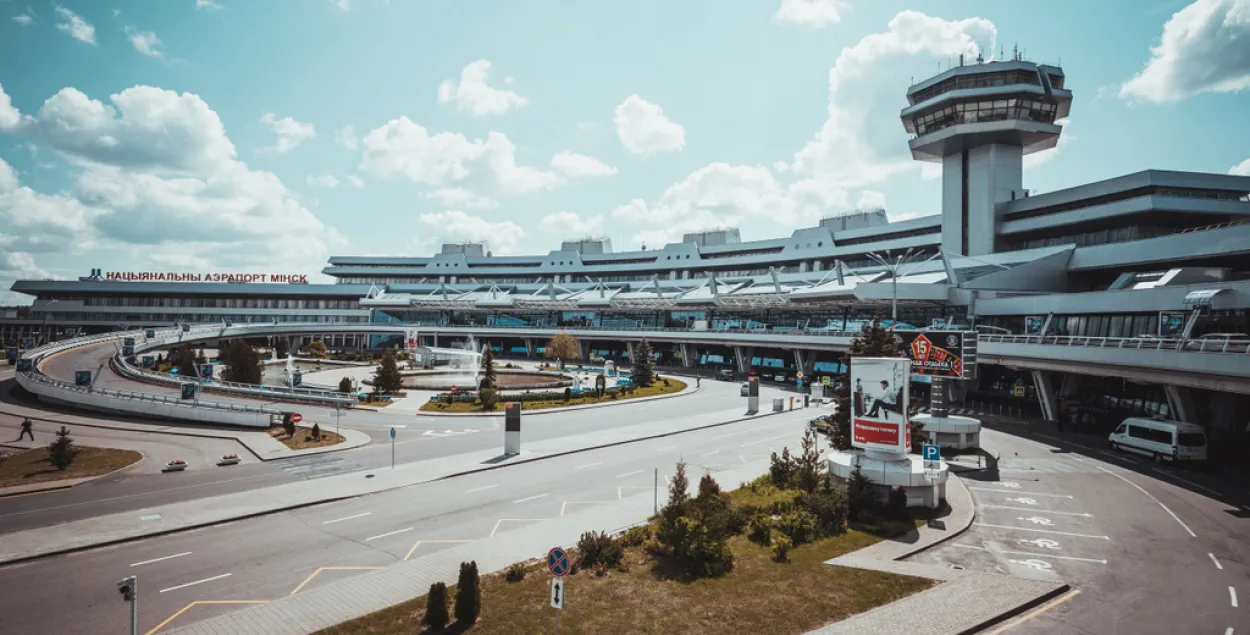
210, 276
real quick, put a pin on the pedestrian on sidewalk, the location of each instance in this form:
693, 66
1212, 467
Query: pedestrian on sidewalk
698, 381
26, 430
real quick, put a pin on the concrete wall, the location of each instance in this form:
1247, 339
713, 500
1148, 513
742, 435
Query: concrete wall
109, 402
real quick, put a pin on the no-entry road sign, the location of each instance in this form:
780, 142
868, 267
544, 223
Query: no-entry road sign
296, 418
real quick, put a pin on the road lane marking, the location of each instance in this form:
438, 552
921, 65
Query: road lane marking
670, 447
123, 497
424, 542
783, 436
588, 465
1016, 491
1232, 596
185, 608
629, 473
176, 555
567, 503
1034, 509
1121, 457
320, 569
531, 498
339, 520
1228, 631
710, 453
1217, 562
216, 577
1042, 531
1165, 507
389, 533
620, 491
1048, 556
479, 489
1037, 611
1187, 482
514, 520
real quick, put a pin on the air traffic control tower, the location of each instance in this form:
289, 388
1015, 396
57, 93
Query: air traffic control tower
979, 120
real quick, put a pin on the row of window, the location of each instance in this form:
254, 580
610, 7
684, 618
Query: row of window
192, 317
1095, 237
998, 110
215, 303
984, 80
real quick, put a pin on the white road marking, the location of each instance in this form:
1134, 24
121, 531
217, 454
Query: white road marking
1232, 596
1121, 457
1165, 507
226, 575
478, 489
710, 453
589, 465
1042, 531
1029, 553
389, 533
176, 555
1210, 555
629, 474
1187, 482
1228, 631
1032, 509
666, 448
530, 498
783, 436
339, 520
991, 489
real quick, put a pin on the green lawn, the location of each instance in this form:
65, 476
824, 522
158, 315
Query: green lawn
658, 388
32, 466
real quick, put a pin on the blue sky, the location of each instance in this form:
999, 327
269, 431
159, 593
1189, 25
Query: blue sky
183, 135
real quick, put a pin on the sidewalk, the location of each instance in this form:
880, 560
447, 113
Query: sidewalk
964, 602
127, 526
258, 442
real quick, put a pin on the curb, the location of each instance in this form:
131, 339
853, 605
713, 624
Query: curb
81, 480
1021, 608
221, 521
951, 536
547, 411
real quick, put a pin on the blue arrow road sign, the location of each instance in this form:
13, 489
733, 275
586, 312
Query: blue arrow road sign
392, 433
932, 453
558, 562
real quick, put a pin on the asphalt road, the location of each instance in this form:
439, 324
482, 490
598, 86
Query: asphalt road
1145, 554
272, 556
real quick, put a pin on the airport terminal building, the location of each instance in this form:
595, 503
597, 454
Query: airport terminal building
1067, 287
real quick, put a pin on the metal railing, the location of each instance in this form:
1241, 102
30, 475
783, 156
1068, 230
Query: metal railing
1197, 345
240, 388
40, 378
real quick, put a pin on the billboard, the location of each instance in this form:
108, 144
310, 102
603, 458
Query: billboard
1033, 324
129, 341
937, 353
11, 353
206, 371
82, 378
25, 365
188, 391
412, 339
150, 333
149, 361
1171, 323
879, 392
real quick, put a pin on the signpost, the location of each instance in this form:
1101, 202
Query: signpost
933, 468
297, 417
392, 447
558, 564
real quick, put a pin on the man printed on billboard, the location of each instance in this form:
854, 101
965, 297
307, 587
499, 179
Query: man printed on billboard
885, 400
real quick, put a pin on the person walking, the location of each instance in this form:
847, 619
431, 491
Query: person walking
27, 430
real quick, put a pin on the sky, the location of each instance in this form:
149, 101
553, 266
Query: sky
268, 135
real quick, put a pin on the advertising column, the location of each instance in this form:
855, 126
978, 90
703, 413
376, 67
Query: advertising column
880, 389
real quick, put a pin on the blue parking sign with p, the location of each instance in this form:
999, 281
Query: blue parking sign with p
932, 453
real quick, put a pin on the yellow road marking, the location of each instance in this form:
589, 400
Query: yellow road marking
567, 503
320, 569
1037, 611
421, 542
47, 491
184, 610
514, 520
620, 491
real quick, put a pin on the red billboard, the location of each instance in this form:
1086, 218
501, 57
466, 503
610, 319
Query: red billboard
866, 431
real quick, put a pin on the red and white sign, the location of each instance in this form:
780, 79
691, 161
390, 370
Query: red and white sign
865, 431
296, 418
879, 392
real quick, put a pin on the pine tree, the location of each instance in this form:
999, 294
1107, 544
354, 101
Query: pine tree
200, 358
242, 362
468, 594
186, 361
436, 607
283, 349
807, 474
644, 374
488, 369
61, 452
873, 341
386, 378
345, 384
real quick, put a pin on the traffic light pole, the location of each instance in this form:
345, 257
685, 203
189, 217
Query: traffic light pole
134, 606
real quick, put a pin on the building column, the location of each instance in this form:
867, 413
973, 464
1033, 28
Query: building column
529, 347
629, 346
744, 355
1070, 385
585, 349
1181, 403
804, 361
688, 355
1045, 395
1222, 410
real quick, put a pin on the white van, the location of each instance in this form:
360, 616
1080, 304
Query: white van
1161, 439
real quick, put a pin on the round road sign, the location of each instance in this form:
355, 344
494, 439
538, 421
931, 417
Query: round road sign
558, 562
296, 418
799, 374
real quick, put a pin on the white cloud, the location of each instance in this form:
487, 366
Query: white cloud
346, 137
290, 132
145, 42
460, 197
345, 5
861, 142
75, 26
580, 165
455, 225
207, 4
19, 265
35, 222
643, 128
510, 177
475, 95
813, 13
355, 181
23, 19
1241, 169
568, 224
10, 116
1038, 159
1205, 47
869, 199
323, 180
930, 170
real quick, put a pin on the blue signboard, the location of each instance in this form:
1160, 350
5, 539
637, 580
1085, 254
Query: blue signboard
150, 333
24, 365
392, 433
10, 353
186, 328
149, 361
558, 562
28, 342
932, 453
188, 391
206, 371
82, 378
297, 378
128, 351
129, 341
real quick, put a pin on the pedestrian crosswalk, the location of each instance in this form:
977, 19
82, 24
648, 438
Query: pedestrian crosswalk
318, 466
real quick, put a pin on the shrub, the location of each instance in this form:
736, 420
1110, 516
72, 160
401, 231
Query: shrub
515, 573
712, 507
699, 551
436, 607
799, 526
489, 397
316, 432
861, 497
61, 452
781, 469
468, 594
612, 395
896, 504
781, 549
807, 467
760, 531
288, 426
568, 393
345, 384
737, 518
829, 507
636, 536
598, 548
